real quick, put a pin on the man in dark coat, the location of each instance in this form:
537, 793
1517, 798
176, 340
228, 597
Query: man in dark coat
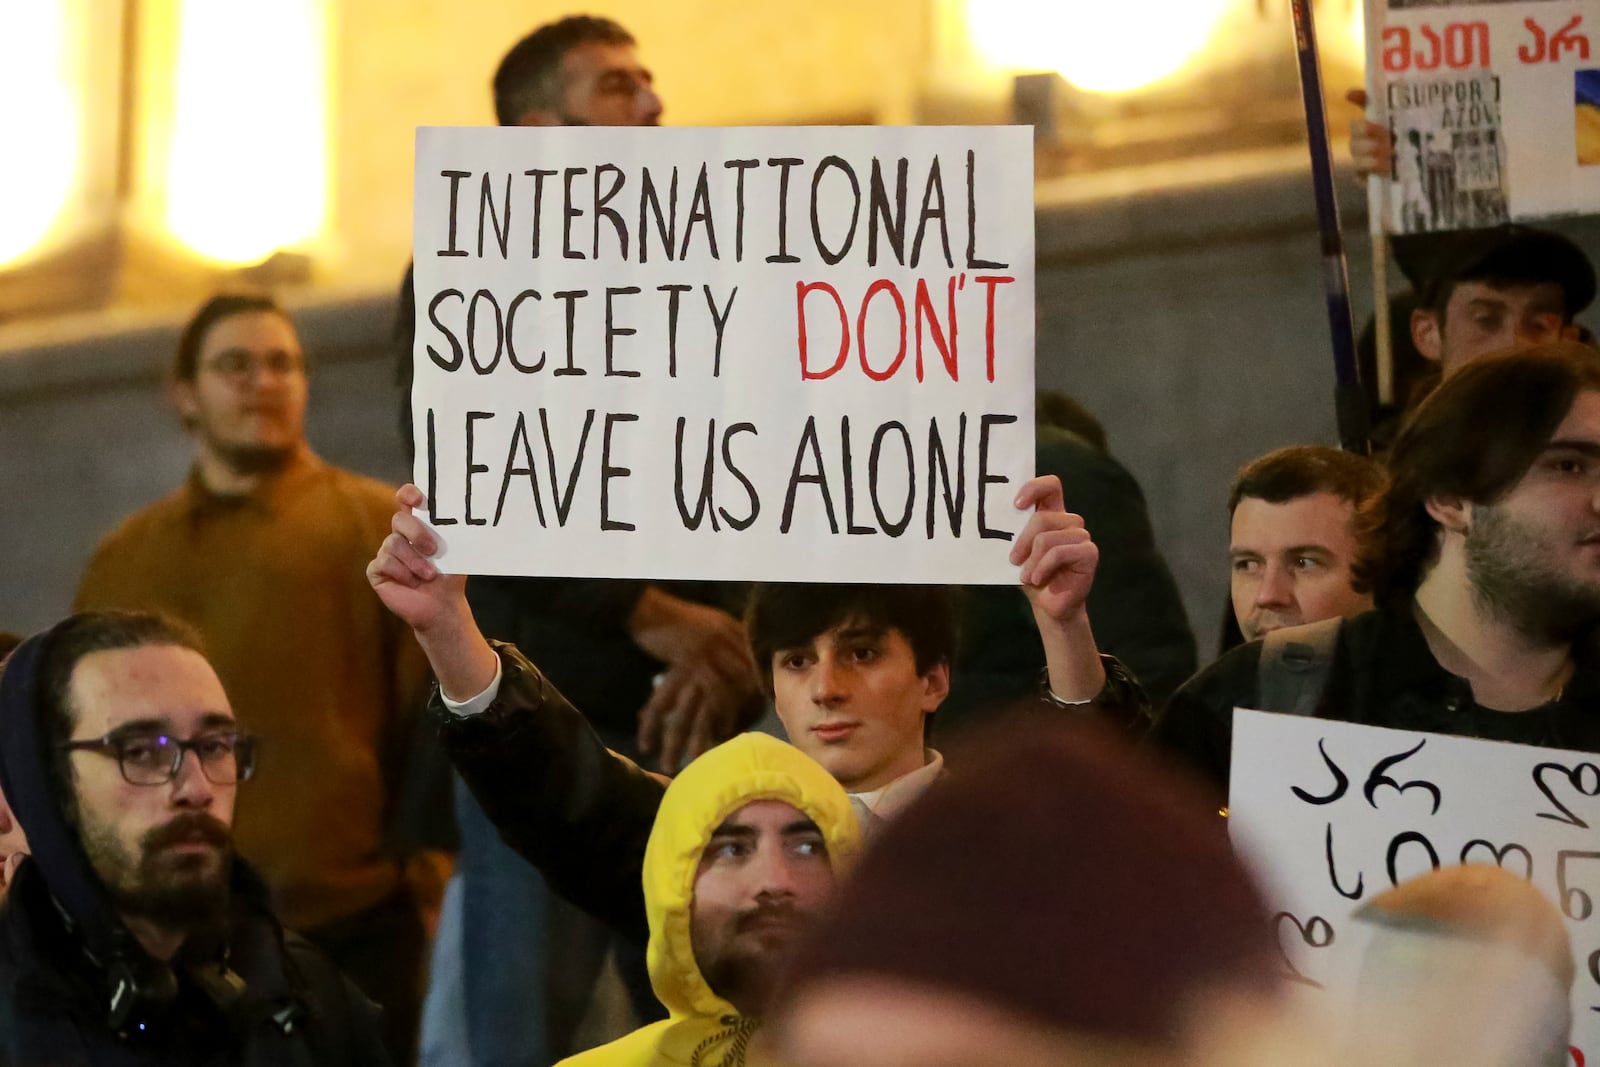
130, 935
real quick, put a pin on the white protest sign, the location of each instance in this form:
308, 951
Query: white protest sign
1332, 814
786, 354
1494, 106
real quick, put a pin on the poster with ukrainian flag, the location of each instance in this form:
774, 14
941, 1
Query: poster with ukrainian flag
1493, 109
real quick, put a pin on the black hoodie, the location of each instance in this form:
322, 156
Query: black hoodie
78, 990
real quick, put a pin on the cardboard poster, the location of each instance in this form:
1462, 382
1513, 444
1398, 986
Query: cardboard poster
1331, 814
1492, 108
784, 354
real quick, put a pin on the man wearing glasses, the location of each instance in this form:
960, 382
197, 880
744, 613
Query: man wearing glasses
130, 933
263, 551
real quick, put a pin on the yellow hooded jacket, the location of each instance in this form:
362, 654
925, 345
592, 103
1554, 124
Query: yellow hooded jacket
702, 1029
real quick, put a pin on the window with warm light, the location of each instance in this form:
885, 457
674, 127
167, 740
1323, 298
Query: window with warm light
41, 114
1095, 45
248, 170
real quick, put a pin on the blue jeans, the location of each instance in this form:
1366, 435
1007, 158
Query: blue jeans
486, 985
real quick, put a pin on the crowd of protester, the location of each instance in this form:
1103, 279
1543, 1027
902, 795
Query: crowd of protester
1052, 885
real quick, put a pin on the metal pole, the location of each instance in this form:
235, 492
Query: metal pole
1350, 403
1378, 208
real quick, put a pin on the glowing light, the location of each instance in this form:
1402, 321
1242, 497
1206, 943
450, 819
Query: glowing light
41, 122
249, 163
1102, 46
1356, 31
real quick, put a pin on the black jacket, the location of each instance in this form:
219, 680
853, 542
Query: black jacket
582, 814
1382, 674
78, 990
293, 1010
579, 813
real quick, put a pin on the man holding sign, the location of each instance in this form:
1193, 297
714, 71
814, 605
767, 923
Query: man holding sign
1487, 580
583, 815
663, 669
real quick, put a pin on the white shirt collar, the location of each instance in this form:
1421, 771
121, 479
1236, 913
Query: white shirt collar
888, 801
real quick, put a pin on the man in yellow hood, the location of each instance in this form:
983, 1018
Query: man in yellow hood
744, 851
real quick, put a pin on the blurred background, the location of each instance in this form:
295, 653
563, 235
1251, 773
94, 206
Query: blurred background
158, 149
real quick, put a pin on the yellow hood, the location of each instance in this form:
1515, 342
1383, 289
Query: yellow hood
750, 767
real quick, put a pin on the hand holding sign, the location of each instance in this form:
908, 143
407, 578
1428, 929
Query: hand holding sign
1371, 143
1054, 550
1057, 560
432, 603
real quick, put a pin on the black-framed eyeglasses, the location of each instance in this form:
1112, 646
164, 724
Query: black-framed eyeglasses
225, 756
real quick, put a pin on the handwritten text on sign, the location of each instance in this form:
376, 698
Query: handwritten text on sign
785, 354
1431, 62
1332, 814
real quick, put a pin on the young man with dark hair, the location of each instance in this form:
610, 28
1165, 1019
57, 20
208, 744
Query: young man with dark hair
853, 693
261, 551
131, 933
1292, 541
822, 649
1477, 292
1485, 291
1485, 566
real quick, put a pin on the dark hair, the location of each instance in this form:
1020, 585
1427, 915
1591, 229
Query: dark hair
222, 306
68, 643
1287, 474
8, 641
786, 615
1054, 408
527, 78
1512, 265
1474, 438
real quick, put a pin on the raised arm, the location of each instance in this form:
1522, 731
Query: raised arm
432, 603
575, 810
1057, 560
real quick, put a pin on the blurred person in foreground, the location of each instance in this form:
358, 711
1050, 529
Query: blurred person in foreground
745, 851
1469, 966
1056, 900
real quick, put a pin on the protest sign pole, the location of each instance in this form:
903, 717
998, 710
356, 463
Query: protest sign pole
1350, 403
1377, 211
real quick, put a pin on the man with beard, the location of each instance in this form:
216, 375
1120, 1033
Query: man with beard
1485, 568
130, 934
743, 855
262, 551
